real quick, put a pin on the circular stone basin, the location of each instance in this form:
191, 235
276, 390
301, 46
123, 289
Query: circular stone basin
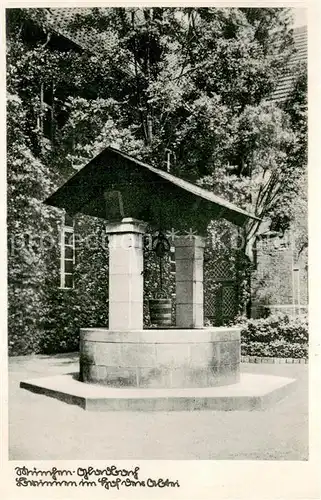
160, 358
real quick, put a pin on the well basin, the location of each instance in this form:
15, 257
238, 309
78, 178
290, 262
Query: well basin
160, 358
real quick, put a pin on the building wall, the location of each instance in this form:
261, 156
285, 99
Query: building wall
281, 277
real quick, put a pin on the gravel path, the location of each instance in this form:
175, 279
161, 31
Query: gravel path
42, 428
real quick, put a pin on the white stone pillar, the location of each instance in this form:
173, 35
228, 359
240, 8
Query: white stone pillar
126, 281
189, 256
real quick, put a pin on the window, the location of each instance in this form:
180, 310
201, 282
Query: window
172, 263
172, 260
54, 109
45, 120
67, 256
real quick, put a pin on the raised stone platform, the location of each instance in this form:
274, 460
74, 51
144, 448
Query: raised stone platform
160, 358
252, 392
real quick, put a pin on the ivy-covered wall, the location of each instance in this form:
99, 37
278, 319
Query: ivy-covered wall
44, 318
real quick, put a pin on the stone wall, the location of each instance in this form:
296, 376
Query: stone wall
156, 358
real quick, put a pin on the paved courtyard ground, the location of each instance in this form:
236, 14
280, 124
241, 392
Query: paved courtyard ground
42, 428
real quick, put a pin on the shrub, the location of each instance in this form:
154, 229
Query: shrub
275, 336
277, 349
275, 328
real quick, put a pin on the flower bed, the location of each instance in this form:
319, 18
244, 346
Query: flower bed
275, 336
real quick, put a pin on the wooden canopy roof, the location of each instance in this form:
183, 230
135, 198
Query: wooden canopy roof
115, 185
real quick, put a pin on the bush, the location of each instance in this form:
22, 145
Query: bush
275, 336
277, 349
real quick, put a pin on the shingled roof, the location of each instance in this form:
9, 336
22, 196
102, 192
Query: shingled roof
59, 20
300, 56
86, 38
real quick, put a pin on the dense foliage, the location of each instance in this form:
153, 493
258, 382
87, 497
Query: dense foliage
186, 82
276, 336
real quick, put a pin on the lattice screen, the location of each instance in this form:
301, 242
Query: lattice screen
210, 306
228, 302
220, 305
221, 270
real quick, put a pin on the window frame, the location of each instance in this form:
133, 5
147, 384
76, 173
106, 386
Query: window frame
70, 230
172, 260
45, 110
172, 263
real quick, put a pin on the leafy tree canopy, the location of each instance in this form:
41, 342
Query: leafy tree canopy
192, 81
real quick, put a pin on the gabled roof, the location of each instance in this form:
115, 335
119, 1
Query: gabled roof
148, 193
59, 19
188, 186
86, 38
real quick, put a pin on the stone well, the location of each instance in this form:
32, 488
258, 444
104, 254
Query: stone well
126, 367
171, 358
